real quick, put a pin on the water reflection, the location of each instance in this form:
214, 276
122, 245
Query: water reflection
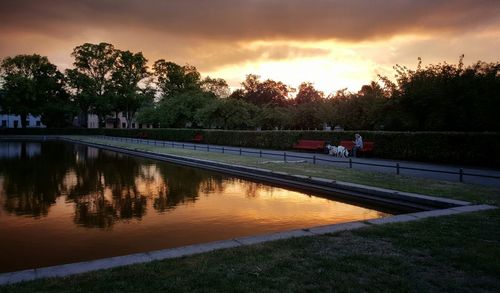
28, 191
80, 203
105, 187
19, 149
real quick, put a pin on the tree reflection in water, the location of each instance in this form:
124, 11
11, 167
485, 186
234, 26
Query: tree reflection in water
27, 190
104, 186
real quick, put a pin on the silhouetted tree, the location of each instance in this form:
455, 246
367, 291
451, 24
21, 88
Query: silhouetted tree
446, 97
308, 94
217, 86
91, 78
228, 114
130, 70
173, 79
32, 85
268, 92
179, 110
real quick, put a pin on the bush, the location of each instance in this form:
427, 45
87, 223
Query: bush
439, 147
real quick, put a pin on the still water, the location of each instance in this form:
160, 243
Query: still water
62, 203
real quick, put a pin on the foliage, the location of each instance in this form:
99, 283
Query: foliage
308, 94
363, 110
33, 85
217, 86
128, 97
269, 92
173, 79
91, 78
439, 147
305, 116
446, 97
274, 117
105, 80
227, 114
179, 110
148, 115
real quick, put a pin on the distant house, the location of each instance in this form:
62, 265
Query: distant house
90, 122
14, 121
121, 122
110, 122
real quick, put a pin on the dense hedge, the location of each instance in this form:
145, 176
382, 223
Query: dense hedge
440, 147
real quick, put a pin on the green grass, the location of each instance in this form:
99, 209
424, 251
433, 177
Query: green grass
459, 253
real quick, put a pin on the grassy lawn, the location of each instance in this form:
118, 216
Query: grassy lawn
452, 253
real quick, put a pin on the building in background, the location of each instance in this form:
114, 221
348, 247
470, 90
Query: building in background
92, 121
14, 121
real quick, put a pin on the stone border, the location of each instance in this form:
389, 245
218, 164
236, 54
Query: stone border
311, 183
381, 197
361, 193
145, 257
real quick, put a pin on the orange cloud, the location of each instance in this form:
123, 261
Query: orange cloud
331, 42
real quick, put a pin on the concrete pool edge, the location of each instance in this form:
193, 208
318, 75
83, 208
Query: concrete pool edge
452, 207
352, 191
157, 255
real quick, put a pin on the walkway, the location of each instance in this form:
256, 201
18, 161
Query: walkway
415, 169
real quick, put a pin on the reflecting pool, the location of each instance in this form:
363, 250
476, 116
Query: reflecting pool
62, 203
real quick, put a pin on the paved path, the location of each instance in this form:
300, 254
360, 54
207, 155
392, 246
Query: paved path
407, 168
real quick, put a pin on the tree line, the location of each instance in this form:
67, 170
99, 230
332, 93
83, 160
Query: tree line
106, 81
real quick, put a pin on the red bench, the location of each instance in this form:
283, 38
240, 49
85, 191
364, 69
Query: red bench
197, 138
367, 146
312, 145
142, 134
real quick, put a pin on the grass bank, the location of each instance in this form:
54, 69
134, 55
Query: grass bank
452, 253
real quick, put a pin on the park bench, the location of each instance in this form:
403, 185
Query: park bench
142, 134
367, 147
197, 138
311, 145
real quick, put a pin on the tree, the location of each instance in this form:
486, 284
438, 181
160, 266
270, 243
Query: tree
446, 97
59, 111
227, 114
149, 114
173, 79
308, 94
130, 70
274, 117
91, 78
371, 100
217, 86
30, 83
305, 116
268, 92
180, 110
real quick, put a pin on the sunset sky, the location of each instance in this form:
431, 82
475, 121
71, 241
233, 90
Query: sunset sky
334, 44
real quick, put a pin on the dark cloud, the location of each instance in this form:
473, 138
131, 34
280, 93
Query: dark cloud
244, 20
212, 34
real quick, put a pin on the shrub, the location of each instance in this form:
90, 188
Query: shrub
439, 147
